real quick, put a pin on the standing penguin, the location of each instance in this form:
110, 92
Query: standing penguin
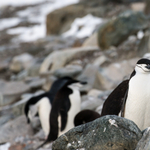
136, 103
41, 104
65, 106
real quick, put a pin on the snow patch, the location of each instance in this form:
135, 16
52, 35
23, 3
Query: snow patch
83, 27
35, 14
7, 23
5, 146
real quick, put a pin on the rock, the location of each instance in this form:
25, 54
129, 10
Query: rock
11, 91
147, 4
91, 41
138, 6
117, 30
63, 17
144, 143
92, 100
37, 83
17, 108
100, 60
112, 75
49, 82
51, 63
144, 46
89, 75
34, 70
21, 62
4, 65
17, 147
108, 132
14, 129
69, 70
5, 119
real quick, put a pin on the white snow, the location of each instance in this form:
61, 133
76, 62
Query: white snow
80, 28
5, 146
35, 14
27, 34
140, 34
19, 2
7, 23
87, 25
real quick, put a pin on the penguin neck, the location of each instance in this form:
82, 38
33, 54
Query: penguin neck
44, 108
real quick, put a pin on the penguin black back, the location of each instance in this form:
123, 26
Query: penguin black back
113, 104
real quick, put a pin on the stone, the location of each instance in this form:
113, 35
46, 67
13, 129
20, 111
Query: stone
92, 100
51, 62
138, 6
100, 60
147, 5
34, 70
37, 83
144, 143
21, 62
118, 29
63, 17
105, 133
89, 75
91, 41
144, 46
17, 108
11, 91
15, 128
111, 75
69, 70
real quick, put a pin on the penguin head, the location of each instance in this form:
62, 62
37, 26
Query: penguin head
75, 84
143, 66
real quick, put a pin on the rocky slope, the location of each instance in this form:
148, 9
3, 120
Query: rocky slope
103, 59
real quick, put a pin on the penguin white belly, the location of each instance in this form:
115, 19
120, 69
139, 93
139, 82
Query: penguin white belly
75, 101
137, 106
44, 113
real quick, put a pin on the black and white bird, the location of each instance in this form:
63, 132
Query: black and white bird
65, 106
42, 104
85, 116
132, 97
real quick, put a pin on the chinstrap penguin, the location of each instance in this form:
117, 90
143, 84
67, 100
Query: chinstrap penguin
65, 106
85, 116
41, 104
136, 101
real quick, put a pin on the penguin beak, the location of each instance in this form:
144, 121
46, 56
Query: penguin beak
148, 67
83, 82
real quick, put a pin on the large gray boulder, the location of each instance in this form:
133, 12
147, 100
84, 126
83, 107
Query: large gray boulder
144, 143
59, 59
11, 91
105, 133
15, 128
118, 29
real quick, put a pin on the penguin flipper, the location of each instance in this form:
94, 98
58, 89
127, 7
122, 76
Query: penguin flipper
64, 113
115, 101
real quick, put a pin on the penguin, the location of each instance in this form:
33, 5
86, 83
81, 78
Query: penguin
66, 105
85, 116
42, 104
136, 100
